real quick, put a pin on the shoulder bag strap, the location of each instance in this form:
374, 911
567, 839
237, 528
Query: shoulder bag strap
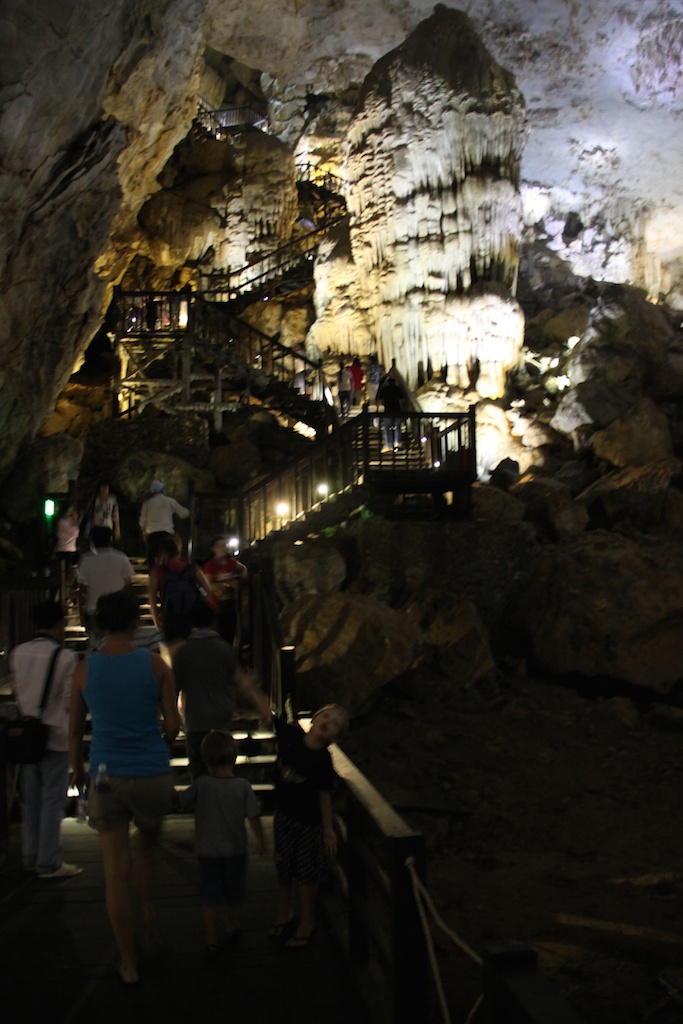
48, 679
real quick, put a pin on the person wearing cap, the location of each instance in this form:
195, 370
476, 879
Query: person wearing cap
156, 518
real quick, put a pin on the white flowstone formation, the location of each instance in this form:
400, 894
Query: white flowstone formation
94, 100
435, 214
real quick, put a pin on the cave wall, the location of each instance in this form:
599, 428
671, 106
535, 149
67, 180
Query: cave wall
93, 101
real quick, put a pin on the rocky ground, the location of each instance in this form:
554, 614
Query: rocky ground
553, 818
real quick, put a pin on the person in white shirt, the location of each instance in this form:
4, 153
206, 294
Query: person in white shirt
102, 570
44, 785
103, 510
156, 518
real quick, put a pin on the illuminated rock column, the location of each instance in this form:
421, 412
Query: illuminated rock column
432, 168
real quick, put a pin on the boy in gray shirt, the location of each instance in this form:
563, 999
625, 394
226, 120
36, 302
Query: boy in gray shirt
221, 803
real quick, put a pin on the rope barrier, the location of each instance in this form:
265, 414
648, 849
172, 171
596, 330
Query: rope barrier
423, 900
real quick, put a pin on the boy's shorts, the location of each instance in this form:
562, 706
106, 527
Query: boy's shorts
299, 851
221, 880
144, 801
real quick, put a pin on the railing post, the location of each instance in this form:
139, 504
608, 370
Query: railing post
366, 438
409, 948
287, 678
357, 877
516, 993
192, 538
473, 439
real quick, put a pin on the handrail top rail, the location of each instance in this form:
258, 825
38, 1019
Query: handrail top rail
264, 338
185, 292
388, 821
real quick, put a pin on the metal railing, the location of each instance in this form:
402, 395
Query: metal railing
170, 340
438, 455
442, 447
320, 177
229, 120
228, 285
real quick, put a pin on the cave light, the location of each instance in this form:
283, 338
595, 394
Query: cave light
282, 508
323, 490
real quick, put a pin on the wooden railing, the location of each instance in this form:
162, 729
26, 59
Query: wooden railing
379, 928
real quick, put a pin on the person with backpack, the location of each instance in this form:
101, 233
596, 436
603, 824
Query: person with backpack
175, 587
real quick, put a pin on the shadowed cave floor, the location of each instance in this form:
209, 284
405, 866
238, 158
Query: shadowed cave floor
551, 819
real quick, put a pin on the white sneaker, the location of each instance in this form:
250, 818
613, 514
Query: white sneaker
63, 871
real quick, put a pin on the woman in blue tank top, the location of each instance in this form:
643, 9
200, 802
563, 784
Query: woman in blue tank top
131, 697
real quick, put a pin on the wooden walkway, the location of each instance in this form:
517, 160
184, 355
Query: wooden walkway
58, 958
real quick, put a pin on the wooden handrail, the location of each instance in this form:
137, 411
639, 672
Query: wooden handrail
380, 929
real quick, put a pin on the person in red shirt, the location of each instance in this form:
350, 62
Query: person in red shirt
356, 370
225, 574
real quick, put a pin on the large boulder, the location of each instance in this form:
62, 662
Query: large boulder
493, 503
136, 471
347, 647
236, 463
626, 341
484, 562
607, 605
636, 496
641, 437
307, 568
593, 403
550, 504
454, 639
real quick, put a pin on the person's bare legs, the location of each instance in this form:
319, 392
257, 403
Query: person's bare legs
119, 898
148, 851
284, 910
308, 895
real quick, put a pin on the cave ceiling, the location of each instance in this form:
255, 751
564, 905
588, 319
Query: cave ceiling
94, 100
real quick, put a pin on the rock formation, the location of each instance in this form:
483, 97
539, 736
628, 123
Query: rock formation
94, 103
432, 168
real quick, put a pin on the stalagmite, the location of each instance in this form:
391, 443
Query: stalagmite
432, 162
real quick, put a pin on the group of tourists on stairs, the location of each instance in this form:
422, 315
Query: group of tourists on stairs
137, 701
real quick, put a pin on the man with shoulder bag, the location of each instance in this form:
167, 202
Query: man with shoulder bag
41, 680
